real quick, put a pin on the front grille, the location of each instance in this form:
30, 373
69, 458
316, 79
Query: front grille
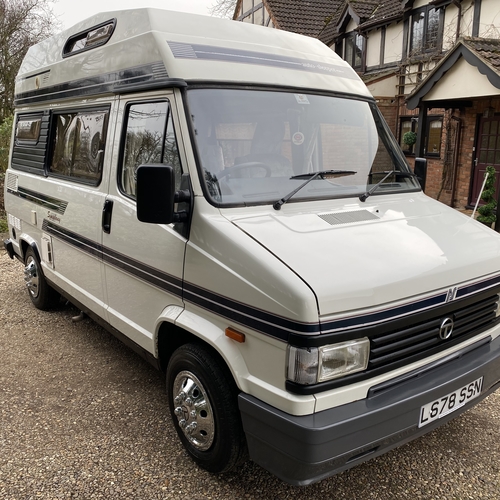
405, 340
423, 338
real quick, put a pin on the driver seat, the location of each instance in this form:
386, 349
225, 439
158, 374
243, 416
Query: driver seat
266, 148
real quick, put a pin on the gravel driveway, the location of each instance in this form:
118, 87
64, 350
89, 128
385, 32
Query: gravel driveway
81, 416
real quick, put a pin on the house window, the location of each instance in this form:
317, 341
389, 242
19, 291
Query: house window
353, 49
408, 125
253, 11
432, 140
433, 136
426, 32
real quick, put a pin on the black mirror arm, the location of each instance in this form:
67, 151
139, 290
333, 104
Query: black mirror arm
180, 217
182, 196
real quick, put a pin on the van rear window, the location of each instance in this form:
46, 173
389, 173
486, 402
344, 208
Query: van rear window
78, 144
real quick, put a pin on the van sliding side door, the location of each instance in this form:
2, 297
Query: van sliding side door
143, 263
76, 188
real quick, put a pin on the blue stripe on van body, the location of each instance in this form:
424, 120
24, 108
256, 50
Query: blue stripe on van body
182, 50
262, 321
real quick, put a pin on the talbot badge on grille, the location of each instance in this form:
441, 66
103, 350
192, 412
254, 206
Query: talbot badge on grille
446, 328
452, 294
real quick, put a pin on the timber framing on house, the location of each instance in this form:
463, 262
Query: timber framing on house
432, 65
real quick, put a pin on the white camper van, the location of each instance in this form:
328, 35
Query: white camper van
229, 201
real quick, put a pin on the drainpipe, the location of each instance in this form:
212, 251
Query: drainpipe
455, 160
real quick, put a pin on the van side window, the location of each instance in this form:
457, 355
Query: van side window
78, 144
29, 151
28, 128
149, 138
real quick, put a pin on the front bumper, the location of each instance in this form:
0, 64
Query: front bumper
304, 449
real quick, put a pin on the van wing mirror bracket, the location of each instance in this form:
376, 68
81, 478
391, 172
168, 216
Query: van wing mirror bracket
184, 195
420, 171
156, 196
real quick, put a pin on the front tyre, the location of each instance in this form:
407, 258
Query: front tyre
41, 293
202, 398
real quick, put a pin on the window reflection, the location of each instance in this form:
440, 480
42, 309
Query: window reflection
79, 144
253, 145
149, 138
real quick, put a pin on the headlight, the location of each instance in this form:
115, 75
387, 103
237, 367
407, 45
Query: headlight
318, 364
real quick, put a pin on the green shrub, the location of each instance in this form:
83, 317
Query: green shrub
488, 212
5, 134
410, 138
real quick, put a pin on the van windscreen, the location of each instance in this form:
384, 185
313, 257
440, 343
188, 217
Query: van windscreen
257, 146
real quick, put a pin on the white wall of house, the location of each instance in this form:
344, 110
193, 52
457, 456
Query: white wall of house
489, 24
373, 48
351, 26
393, 43
451, 18
462, 81
467, 17
246, 5
420, 3
383, 88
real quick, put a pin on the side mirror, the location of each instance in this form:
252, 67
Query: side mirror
155, 194
420, 171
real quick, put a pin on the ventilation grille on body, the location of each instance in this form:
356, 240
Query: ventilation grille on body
12, 182
348, 217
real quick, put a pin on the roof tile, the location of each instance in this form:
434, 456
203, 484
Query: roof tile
487, 49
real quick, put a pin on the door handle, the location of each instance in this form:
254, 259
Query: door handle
107, 212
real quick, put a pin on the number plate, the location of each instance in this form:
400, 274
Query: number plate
449, 403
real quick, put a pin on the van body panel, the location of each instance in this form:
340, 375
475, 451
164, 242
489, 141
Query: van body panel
158, 41
257, 364
74, 230
138, 287
143, 263
374, 256
246, 281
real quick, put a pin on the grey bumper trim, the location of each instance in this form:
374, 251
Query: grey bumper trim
9, 247
304, 449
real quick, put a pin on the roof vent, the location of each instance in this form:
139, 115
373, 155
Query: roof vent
89, 39
348, 217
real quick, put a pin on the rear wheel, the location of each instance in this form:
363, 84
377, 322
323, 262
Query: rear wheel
41, 293
203, 404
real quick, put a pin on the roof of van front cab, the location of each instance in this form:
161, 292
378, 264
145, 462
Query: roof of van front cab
151, 47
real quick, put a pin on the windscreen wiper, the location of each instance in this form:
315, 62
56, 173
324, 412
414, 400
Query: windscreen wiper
388, 174
322, 174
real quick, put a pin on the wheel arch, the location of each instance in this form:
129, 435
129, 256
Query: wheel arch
172, 335
24, 243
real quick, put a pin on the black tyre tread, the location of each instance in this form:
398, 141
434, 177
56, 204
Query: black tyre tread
47, 298
229, 449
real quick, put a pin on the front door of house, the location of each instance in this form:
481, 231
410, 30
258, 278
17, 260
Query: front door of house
487, 153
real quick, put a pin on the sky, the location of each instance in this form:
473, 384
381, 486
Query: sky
70, 12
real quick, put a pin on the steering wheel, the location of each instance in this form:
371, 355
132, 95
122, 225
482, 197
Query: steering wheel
242, 166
